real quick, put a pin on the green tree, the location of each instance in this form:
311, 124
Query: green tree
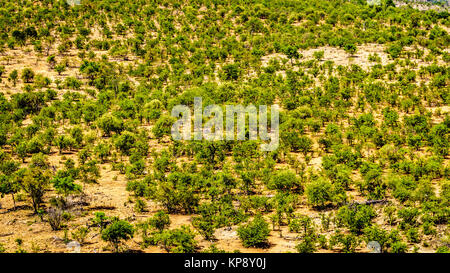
22, 150
63, 142
255, 233
205, 226
319, 192
355, 218
350, 49
291, 52
348, 242
65, 185
231, 71
125, 142
285, 181
27, 75
377, 234
109, 123
51, 60
307, 244
102, 150
13, 76
35, 182
163, 126
318, 55
100, 220
116, 232
160, 221
180, 240
60, 68
9, 185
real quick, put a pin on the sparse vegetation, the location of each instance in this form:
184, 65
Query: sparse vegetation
87, 92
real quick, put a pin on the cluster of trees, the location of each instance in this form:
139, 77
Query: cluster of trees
371, 128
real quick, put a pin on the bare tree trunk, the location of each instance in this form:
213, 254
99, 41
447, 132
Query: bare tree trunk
14, 201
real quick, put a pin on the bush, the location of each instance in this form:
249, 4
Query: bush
163, 126
255, 233
65, 185
55, 218
160, 221
319, 192
443, 249
180, 240
125, 142
303, 143
285, 181
355, 218
413, 235
399, 247
384, 238
395, 50
116, 232
178, 193
307, 244
348, 242
27, 75
205, 226
231, 72
100, 220
303, 224
109, 123
409, 216
80, 234
140, 205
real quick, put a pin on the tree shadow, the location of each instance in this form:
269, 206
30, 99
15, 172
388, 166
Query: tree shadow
102, 207
20, 207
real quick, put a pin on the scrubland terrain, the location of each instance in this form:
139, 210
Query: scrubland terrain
86, 149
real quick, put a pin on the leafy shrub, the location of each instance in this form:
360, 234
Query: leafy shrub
80, 234
356, 218
180, 240
160, 221
348, 242
255, 233
285, 181
116, 232
307, 244
320, 192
